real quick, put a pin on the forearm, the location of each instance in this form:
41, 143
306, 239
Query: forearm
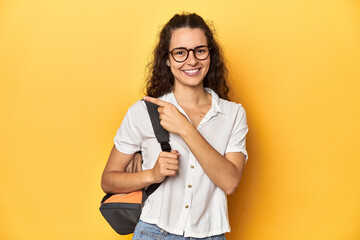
122, 182
220, 170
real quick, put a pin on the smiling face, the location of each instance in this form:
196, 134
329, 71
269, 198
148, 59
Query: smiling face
191, 72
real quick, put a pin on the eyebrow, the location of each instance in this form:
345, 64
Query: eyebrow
203, 45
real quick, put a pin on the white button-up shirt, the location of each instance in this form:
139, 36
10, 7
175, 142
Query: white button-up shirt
189, 203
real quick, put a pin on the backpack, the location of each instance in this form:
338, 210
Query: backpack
122, 211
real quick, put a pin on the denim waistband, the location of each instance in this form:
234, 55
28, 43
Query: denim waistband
147, 231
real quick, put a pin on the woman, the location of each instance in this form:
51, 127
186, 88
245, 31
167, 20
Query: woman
207, 135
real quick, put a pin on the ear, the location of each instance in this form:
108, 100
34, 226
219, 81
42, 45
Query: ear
168, 62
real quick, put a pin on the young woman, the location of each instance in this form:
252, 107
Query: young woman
207, 135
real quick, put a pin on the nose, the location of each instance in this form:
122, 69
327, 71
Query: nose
191, 58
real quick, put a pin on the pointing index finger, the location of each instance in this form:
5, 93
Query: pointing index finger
155, 101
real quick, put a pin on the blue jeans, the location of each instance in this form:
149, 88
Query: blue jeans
147, 231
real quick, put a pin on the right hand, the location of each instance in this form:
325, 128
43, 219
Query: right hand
167, 164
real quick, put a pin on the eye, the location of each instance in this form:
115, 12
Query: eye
179, 52
201, 50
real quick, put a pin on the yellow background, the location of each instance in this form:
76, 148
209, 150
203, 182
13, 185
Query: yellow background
69, 70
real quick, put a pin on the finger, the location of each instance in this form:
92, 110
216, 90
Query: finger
173, 167
160, 109
172, 154
170, 173
176, 152
156, 101
167, 158
171, 161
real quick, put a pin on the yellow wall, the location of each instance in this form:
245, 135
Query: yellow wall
70, 69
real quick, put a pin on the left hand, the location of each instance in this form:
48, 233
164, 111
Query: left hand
170, 118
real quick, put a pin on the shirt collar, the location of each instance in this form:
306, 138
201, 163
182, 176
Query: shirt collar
215, 102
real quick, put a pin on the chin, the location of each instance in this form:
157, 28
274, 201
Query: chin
192, 84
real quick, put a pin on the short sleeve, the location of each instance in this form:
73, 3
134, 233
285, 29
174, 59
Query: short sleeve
237, 142
128, 137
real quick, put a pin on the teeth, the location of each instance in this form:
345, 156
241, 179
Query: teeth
192, 71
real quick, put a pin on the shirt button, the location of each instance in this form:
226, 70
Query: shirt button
192, 166
186, 206
190, 186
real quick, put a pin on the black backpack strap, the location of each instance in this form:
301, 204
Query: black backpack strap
161, 134
162, 137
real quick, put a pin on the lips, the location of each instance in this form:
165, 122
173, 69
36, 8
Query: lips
192, 72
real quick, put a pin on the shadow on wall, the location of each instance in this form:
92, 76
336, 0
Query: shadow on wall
243, 203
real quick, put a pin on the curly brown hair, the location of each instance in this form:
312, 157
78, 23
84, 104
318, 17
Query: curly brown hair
160, 79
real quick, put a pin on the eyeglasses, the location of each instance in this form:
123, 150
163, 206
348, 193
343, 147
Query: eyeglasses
181, 54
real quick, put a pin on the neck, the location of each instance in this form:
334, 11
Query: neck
191, 96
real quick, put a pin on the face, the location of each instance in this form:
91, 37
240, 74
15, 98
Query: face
191, 72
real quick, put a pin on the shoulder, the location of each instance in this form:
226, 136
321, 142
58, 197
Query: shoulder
235, 114
224, 106
230, 107
136, 115
137, 109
